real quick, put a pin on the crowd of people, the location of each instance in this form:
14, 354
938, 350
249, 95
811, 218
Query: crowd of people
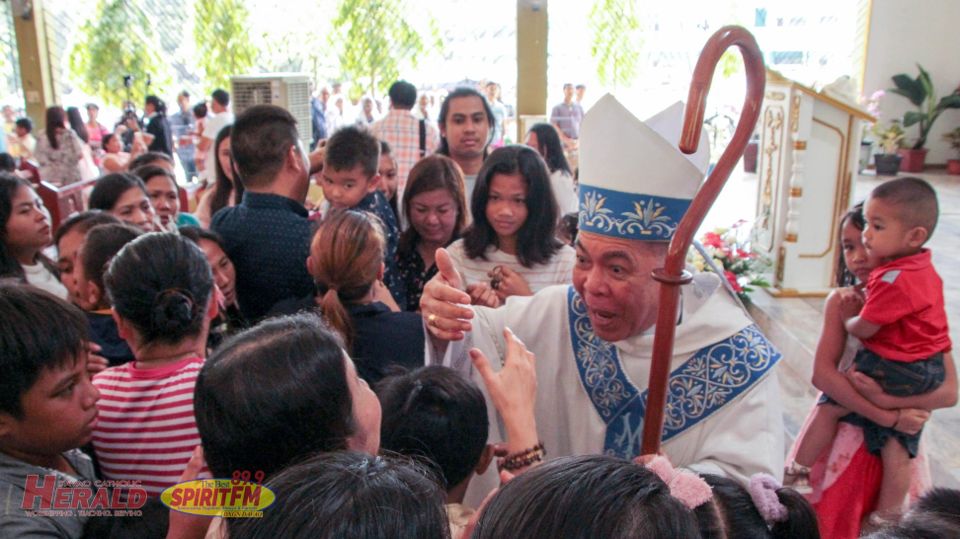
448, 303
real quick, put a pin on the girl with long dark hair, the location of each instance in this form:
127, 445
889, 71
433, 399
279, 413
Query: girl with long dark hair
24, 233
511, 247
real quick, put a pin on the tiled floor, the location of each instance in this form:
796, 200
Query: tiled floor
794, 324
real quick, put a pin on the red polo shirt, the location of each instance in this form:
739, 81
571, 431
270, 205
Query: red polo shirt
905, 296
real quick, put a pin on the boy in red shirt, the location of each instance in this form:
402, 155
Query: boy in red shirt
903, 323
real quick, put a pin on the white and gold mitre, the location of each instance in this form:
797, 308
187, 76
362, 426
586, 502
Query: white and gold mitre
634, 181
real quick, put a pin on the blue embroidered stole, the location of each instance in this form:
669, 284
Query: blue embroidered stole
713, 377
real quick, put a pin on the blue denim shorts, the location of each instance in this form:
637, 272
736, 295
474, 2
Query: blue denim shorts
900, 379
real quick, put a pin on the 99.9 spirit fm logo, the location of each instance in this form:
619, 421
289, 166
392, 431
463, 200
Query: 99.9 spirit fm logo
238, 497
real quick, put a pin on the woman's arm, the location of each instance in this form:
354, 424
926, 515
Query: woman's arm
831, 381
116, 162
944, 396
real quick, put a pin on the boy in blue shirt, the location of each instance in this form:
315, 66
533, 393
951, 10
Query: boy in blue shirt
350, 180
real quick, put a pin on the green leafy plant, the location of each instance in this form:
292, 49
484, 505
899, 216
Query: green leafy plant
889, 138
375, 39
107, 50
221, 33
616, 41
920, 92
953, 137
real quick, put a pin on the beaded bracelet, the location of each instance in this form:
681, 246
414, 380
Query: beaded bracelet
522, 459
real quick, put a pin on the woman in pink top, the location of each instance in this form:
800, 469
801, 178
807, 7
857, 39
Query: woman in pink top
161, 287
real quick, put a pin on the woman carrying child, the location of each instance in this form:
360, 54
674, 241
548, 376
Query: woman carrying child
510, 249
846, 480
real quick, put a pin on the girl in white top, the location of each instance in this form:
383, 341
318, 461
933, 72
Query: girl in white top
511, 248
543, 137
24, 232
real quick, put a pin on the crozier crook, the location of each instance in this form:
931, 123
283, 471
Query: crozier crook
672, 275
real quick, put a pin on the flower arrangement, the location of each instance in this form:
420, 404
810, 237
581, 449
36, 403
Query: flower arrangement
731, 251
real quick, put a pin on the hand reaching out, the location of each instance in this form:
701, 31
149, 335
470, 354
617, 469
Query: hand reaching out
513, 391
185, 525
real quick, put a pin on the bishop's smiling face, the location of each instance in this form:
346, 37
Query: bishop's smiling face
613, 277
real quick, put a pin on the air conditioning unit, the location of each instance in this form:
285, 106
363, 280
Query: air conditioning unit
290, 91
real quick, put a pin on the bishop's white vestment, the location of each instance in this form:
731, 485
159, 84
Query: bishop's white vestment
723, 414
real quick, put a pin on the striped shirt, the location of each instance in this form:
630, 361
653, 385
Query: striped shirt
559, 270
146, 429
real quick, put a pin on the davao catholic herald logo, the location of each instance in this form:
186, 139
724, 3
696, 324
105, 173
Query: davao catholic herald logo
228, 498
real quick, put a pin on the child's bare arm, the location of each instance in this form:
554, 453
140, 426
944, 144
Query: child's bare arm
831, 381
944, 396
850, 302
860, 328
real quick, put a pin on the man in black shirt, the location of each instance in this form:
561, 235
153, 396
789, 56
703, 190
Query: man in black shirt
267, 235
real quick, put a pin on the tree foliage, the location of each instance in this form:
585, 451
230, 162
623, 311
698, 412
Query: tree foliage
117, 42
221, 32
616, 41
373, 39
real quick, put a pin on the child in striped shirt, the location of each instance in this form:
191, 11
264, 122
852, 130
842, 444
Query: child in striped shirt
161, 288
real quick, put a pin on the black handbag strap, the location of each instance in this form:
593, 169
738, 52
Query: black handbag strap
423, 138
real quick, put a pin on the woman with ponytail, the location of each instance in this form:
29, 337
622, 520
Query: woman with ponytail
160, 286
346, 261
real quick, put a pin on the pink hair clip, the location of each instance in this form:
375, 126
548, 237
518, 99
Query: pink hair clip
684, 485
763, 491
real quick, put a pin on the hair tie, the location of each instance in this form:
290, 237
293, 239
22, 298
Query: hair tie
763, 491
173, 292
172, 309
327, 289
684, 485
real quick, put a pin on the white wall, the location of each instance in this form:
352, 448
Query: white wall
904, 33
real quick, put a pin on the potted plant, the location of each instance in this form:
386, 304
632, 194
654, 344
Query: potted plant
920, 92
953, 137
890, 139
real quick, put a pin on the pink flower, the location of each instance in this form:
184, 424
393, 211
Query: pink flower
712, 239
